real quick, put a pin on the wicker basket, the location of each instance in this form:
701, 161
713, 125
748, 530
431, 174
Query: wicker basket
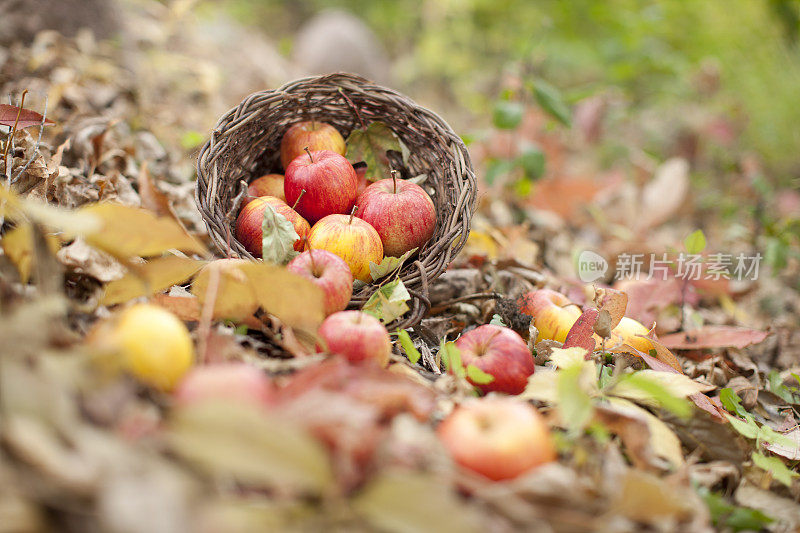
245, 144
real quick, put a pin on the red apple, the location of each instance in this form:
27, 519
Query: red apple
553, 313
313, 135
500, 352
237, 382
248, 225
499, 438
352, 239
267, 185
357, 336
329, 272
402, 213
328, 180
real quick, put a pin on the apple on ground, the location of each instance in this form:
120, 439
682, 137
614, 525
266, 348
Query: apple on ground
357, 336
352, 239
627, 332
329, 272
401, 212
497, 437
311, 134
149, 342
500, 352
237, 382
329, 182
248, 224
553, 313
267, 185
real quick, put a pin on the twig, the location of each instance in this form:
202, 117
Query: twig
470, 297
10, 139
204, 328
353, 106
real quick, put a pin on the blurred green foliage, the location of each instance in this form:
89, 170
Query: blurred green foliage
655, 52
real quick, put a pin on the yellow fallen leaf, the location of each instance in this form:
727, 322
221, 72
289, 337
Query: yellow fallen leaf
130, 232
154, 276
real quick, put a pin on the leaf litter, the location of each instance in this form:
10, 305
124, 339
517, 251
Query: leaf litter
646, 440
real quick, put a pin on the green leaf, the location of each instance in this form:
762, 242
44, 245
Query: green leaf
724, 514
777, 387
478, 376
780, 472
507, 115
532, 161
574, 404
388, 302
731, 401
497, 320
370, 146
408, 346
695, 242
767, 434
668, 395
550, 100
277, 237
388, 265
747, 428
451, 357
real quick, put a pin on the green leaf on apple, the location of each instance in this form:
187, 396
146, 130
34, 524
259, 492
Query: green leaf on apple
388, 302
277, 237
551, 102
388, 265
370, 146
408, 346
478, 376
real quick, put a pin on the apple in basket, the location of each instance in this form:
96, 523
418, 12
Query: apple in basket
400, 211
352, 239
329, 182
311, 134
248, 224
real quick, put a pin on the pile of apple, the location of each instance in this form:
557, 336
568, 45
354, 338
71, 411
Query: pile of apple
335, 212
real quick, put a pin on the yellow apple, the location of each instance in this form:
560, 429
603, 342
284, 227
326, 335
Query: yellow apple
553, 313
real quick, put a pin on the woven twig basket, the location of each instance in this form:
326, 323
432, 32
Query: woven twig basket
245, 144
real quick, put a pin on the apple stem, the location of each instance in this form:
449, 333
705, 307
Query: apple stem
394, 180
309, 153
352, 214
302, 192
311, 256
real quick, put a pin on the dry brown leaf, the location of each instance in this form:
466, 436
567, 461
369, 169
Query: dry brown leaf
152, 198
27, 118
714, 337
613, 301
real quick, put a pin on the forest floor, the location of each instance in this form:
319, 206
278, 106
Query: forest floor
710, 441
